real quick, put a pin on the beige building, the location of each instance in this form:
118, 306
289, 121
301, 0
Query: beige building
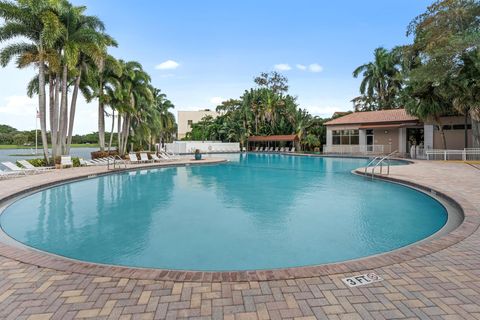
386, 131
187, 118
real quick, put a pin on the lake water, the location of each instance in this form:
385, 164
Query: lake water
7, 154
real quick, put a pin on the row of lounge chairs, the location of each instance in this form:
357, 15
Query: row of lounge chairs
272, 149
15, 171
66, 161
28, 168
162, 156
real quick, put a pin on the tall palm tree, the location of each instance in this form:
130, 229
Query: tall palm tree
135, 90
102, 84
38, 22
382, 79
83, 40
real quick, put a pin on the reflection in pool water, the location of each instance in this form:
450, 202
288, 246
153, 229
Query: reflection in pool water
257, 211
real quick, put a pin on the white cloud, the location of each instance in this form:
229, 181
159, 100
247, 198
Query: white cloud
282, 67
315, 67
19, 106
301, 67
167, 65
216, 101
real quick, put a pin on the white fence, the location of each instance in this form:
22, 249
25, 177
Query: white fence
185, 147
358, 149
467, 154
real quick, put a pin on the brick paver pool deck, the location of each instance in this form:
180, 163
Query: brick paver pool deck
436, 280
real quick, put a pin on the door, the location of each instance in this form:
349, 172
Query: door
370, 140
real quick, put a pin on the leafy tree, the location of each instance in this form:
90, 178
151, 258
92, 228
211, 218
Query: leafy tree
265, 110
273, 81
381, 83
443, 77
20, 139
6, 129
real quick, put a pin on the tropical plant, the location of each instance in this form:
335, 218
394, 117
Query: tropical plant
444, 78
267, 109
37, 26
381, 83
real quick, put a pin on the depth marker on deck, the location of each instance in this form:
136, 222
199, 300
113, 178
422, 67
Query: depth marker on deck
362, 279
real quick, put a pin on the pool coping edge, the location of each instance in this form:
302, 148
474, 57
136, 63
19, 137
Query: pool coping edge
25, 254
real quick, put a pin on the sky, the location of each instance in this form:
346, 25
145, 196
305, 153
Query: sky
202, 52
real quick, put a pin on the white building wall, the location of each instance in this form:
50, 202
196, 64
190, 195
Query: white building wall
362, 137
428, 136
402, 140
184, 147
193, 116
329, 137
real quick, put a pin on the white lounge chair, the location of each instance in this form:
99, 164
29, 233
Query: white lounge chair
277, 149
155, 158
84, 163
13, 167
133, 158
282, 149
9, 174
144, 157
293, 149
171, 155
28, 165
66, 161
256, 149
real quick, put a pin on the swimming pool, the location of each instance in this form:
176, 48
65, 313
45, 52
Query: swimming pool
258, 211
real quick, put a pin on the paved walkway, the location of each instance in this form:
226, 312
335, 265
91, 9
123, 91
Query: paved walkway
441, 285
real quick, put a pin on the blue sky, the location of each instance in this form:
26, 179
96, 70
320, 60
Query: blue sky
214, 49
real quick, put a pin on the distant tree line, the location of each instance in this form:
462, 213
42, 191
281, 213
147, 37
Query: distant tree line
12, 136
266, 109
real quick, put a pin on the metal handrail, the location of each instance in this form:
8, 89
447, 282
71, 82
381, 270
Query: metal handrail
368, 165
387, 157
115, 162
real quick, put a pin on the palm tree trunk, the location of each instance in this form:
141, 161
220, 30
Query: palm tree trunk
72, 109
56, 104
126, 132
475, 119
51, 96
42, 105
119, 135
63, 112
101, 125
111, 131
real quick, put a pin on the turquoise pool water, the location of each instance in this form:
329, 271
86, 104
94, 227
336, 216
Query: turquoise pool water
257, 211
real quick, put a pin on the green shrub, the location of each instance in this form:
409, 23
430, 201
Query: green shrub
40, 162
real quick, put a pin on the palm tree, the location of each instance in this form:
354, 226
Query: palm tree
82, 41
382, 79
102, 84
135, 90
38, 22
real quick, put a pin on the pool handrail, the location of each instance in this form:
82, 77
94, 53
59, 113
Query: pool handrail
380, 163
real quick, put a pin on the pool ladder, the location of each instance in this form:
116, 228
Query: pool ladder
380, 160
117, 160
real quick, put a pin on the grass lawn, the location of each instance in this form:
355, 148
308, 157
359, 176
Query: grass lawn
74, 145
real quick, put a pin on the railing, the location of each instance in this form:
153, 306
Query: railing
467, 154
358, 149
121, 161
380, 163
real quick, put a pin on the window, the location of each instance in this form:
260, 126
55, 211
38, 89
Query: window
190, 122
454, 127
345, 137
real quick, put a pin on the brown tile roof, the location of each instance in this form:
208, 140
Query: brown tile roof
292, 137
382, 116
